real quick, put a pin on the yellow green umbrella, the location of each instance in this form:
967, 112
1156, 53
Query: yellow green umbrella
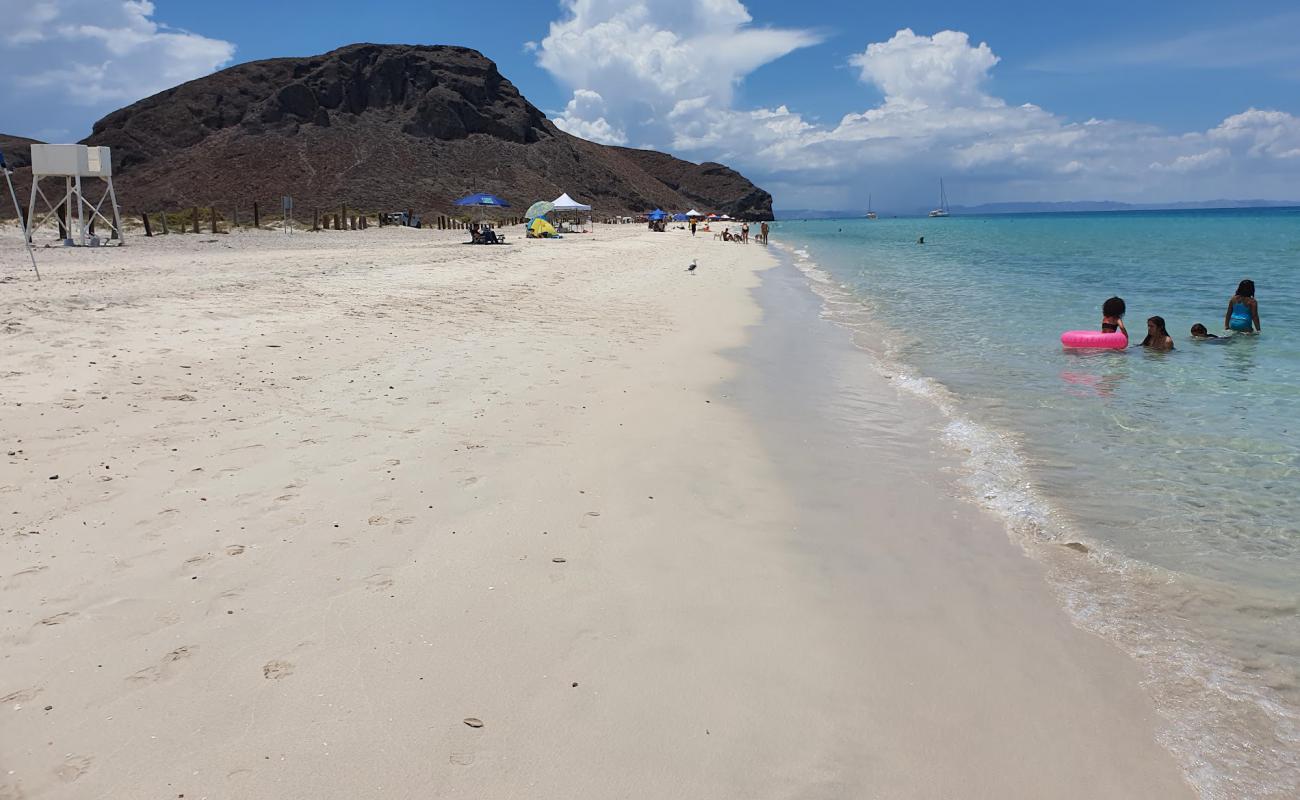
541, 227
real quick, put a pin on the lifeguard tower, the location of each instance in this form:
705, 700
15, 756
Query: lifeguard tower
74, 163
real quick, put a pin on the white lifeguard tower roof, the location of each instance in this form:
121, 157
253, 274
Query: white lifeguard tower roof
71, 161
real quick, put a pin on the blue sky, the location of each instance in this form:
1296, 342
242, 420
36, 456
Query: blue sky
1200, 98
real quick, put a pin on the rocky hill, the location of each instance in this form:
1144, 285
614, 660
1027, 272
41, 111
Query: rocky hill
384, 127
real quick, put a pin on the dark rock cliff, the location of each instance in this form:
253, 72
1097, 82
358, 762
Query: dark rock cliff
385, 127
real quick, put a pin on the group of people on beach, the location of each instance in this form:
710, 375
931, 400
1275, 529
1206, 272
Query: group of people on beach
1242, 316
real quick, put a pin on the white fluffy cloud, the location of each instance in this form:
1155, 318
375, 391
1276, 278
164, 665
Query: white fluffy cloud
632, 63
93, 53
674, 88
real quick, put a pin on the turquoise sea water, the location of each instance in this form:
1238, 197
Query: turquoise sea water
1179, 471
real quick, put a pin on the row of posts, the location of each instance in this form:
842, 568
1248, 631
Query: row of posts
446, 223
196, 218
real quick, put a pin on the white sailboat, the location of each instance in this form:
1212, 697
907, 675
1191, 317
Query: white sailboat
870, 214
942, 210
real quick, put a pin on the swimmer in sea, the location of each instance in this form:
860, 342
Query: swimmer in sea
1199, 332
1243, 311
1112, 316
1157, 337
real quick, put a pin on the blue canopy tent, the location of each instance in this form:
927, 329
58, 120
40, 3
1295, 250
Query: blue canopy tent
680, 218
656, 215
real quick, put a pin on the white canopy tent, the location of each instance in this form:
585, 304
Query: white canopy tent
566, 203
693, 213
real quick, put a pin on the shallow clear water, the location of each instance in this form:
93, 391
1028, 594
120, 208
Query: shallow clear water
1180, 471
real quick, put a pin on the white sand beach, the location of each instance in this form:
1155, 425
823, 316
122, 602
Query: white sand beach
280, 514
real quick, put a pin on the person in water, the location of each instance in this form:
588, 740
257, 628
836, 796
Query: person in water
1243, 311
1112, 316
1157, 337
1199, 332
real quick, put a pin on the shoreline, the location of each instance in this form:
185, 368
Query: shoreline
714, 625
1222, 716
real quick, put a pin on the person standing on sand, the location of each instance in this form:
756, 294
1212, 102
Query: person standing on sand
762, 231
692, 226
744, 232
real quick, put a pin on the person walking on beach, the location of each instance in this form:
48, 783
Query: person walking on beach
762, 231
1243, 311
692, 226
744, 232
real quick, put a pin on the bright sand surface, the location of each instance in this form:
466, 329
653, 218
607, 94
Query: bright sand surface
279, 513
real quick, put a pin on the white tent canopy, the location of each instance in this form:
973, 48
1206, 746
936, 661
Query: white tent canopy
566, 203
693, 213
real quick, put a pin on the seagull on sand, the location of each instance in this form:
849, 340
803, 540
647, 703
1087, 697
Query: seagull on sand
691, 268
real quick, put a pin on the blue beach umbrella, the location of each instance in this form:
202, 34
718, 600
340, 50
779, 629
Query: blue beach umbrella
483, 199
657, 214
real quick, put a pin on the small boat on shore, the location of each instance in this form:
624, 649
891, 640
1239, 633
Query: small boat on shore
942, 210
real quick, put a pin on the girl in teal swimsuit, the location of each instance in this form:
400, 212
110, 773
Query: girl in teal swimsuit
1243, 311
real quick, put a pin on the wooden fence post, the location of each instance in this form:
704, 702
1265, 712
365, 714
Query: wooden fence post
343, 215
315, 219
234, 217
257, 216
195, 213
214, 220
148, 229
63, 225
164, 224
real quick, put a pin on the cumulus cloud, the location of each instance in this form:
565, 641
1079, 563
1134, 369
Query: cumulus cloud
97, 54
661, 79
648, 60
584, 116
941, 70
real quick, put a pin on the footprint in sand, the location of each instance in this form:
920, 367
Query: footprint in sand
74, 767
165, 668
194, 561
27, 573
276, 669
378, 582
378, 519
21, 696
461, 759
234, 550
59, 619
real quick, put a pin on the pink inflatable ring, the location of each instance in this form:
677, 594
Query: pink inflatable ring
1095, 339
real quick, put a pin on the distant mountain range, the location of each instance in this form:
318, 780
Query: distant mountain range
1063, 207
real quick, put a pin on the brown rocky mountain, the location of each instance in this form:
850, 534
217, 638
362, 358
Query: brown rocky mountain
384, 127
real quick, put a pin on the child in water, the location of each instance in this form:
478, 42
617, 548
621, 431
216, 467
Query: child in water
1112, 316
1157, 337
1199, 332
1243, 311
